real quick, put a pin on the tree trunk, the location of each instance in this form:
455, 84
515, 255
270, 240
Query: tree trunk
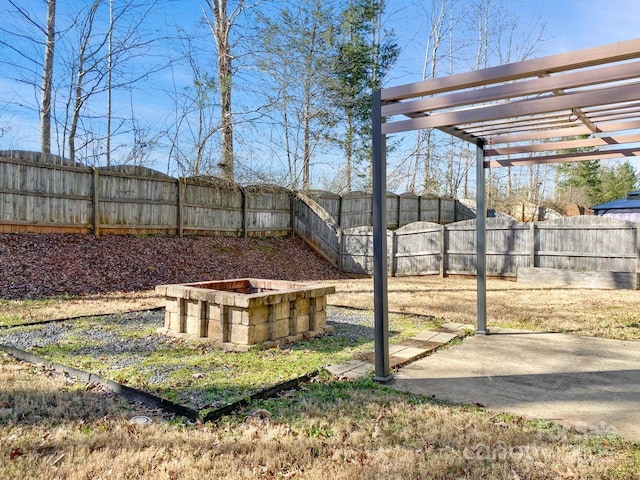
47, 79
109, 82
220, 29
348, 152
306, 155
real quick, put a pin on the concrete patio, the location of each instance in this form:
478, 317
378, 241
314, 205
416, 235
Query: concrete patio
588, 384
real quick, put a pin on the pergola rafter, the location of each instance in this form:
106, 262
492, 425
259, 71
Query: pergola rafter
575, 106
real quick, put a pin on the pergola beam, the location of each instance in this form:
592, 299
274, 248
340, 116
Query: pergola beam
565, 145
616, 52
518, 89
607, 96
568, 157
559, 133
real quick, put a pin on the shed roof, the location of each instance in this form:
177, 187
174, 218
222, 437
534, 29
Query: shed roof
574, 106
632, 200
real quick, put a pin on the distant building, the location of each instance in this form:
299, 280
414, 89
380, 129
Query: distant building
627, 208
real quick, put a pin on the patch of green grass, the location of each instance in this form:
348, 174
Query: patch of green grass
202, 375
408, 326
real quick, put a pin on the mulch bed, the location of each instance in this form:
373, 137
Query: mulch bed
49, 265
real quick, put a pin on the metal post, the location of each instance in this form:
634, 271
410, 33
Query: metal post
380, 301
481, 246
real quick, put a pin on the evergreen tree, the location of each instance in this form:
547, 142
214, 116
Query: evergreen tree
364, 54
590, 183
617, 181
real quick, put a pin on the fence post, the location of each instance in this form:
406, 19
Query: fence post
532, 255
180, 205
340, 212
420, 208
339, 261
443, 248
96, 201
245, 210
637, 257
394, 252
439, 210
292, 200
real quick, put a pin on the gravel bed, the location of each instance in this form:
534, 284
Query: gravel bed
100, 340
117, 342
103, 338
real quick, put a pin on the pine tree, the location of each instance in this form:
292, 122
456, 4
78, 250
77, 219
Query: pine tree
364, 54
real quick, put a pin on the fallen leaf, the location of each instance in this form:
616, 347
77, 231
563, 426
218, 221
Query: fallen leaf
16, 453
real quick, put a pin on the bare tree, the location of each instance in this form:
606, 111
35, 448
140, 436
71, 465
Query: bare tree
295, 58
93, 57
220, 22
193, 133
47, 78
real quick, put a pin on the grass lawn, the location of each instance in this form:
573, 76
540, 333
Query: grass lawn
51, 427
597, 313
126, 348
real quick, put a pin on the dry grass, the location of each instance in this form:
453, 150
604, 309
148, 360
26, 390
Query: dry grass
600, 313
15, 312
51, 428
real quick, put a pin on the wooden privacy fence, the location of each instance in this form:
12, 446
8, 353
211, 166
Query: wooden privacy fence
47, 193
581, 244
354, 209
44, 193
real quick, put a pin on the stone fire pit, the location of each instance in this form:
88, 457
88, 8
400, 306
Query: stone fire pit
244, 312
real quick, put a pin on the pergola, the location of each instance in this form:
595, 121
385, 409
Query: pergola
581, 105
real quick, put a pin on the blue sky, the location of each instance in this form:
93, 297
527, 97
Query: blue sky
570, 25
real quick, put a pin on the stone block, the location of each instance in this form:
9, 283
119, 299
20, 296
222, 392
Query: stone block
172, 321
194, 318
258, 314
278, 328
202, 294
298, 324
320, 304
280, 311
241, 301
172, 304
177, 291
215, 312
317, 320
302, 306
216, 330
238, 316
248, 334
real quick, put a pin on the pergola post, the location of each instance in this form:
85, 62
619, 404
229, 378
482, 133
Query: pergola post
380, 299
481, 238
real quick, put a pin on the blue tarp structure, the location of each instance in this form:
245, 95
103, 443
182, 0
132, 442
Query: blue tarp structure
627, 208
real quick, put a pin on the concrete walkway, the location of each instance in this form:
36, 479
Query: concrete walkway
589, 384
404, 353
